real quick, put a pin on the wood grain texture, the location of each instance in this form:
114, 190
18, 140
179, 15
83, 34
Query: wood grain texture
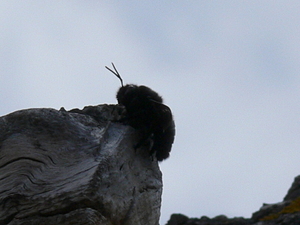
76, 167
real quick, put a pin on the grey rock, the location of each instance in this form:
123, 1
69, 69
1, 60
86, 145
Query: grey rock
268, 209
76, 167
294, 191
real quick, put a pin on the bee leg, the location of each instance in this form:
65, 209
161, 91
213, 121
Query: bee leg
121, 120
152, 155
140, 143
143, 141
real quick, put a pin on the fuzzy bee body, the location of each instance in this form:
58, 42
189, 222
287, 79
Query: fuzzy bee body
146, 112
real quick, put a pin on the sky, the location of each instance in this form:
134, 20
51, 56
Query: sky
229, 70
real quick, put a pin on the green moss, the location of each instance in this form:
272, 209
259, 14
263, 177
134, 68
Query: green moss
293, 207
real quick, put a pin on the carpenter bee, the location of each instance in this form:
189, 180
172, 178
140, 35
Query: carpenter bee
146, 112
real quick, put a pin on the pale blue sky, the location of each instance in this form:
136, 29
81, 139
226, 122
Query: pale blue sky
229, 70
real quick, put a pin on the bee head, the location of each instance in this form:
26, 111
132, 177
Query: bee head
127, 94
132, 96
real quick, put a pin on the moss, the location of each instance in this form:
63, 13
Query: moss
293, 207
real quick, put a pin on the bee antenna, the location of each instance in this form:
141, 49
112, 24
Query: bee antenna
115, 73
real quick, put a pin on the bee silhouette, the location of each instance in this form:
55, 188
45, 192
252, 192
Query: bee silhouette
146, 112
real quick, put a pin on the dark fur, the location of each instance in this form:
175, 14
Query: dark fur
147, 113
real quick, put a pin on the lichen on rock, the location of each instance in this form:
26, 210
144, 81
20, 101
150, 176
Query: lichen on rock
286, 212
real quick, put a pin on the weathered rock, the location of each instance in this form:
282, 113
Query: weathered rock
76, 167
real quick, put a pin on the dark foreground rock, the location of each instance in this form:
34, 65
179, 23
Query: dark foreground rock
76, 167
179, 219
286, 212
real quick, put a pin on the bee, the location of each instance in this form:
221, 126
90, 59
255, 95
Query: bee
146, 112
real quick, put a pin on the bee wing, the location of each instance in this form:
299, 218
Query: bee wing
163, 113
162, 107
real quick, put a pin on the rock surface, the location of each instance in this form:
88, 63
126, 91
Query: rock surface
286, 212
75, 167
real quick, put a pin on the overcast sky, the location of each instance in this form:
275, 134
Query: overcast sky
229, 70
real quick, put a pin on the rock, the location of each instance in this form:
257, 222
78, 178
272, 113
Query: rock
286, 212
179, 219
267, 210
294, 191
75, 167
281, 212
